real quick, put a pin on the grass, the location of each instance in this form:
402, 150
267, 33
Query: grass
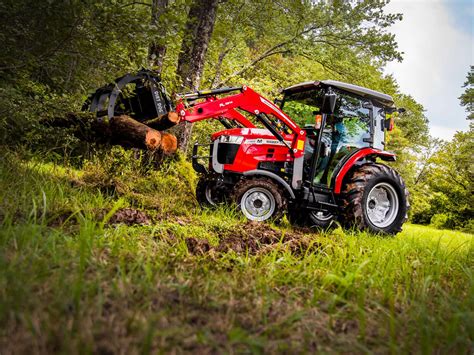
72, 281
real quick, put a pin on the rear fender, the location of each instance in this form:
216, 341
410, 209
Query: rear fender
356, 157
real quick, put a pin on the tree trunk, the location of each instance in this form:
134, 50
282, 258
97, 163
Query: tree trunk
157, 49
198, 32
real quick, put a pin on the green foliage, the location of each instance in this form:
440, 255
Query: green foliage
54, 53
413, 122
467, 98
301, 113
134, 176
440, 221
451, 176
271, 36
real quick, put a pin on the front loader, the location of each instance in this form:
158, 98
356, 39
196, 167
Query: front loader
313, 155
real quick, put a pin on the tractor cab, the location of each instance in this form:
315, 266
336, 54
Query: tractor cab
339, 119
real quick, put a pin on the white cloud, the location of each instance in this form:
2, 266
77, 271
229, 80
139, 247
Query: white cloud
437, 55
442, 132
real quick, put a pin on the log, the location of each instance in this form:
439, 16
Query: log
163, 122
138, 135
120, 130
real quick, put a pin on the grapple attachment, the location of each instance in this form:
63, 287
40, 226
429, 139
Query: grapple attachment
141, 96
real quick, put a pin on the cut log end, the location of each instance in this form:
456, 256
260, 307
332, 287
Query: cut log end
169, 143
173, 117
152, 139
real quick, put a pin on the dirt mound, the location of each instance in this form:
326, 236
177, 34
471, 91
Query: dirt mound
129, 216
255, 238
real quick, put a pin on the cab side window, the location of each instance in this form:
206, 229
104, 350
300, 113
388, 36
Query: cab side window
303, 107
352, 121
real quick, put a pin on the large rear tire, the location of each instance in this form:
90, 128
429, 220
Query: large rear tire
260, 199
375, 199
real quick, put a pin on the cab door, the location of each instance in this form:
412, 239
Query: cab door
345, 131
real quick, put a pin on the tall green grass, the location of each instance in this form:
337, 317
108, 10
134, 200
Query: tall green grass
71, 282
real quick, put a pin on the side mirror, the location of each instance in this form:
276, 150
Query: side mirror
329, 103
277, 102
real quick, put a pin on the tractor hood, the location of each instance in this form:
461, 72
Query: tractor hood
250, 133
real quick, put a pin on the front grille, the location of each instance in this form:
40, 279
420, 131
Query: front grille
226, 152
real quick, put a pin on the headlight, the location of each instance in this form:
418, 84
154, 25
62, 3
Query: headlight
232, 139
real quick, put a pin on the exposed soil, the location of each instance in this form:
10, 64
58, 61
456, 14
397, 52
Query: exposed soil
252, 237
255, 238
130, 216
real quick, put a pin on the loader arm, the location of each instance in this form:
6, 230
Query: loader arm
274, 119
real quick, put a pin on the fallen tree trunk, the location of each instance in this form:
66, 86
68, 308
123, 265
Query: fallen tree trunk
163, 122
136, 134
120, 130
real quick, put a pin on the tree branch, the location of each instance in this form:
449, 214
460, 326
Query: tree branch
269, 52
134, 3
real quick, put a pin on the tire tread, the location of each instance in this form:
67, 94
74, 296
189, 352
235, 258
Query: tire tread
353, 193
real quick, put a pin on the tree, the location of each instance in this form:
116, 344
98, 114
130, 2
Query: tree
452, 177
467, 98
157, 49
191, 60
55, 52
320, 31
197, 34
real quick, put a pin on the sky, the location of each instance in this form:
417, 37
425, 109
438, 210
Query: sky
437, 39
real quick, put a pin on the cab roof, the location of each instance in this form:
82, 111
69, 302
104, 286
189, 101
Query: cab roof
384, 99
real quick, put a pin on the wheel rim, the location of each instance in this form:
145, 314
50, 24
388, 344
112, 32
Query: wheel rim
208, 194
321, 216
382, 205
257, 204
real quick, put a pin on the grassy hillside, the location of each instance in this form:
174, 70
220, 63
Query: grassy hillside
117, 257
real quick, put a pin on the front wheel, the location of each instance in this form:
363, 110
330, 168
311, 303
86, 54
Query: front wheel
260, 199
375, 199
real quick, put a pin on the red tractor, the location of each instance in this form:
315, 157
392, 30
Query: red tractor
316, 171
318, 167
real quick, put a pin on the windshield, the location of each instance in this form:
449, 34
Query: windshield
303, 107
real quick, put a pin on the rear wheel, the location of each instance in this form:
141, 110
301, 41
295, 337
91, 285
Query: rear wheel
321, 219
315, 219
260, 199
375, 199
206, 192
